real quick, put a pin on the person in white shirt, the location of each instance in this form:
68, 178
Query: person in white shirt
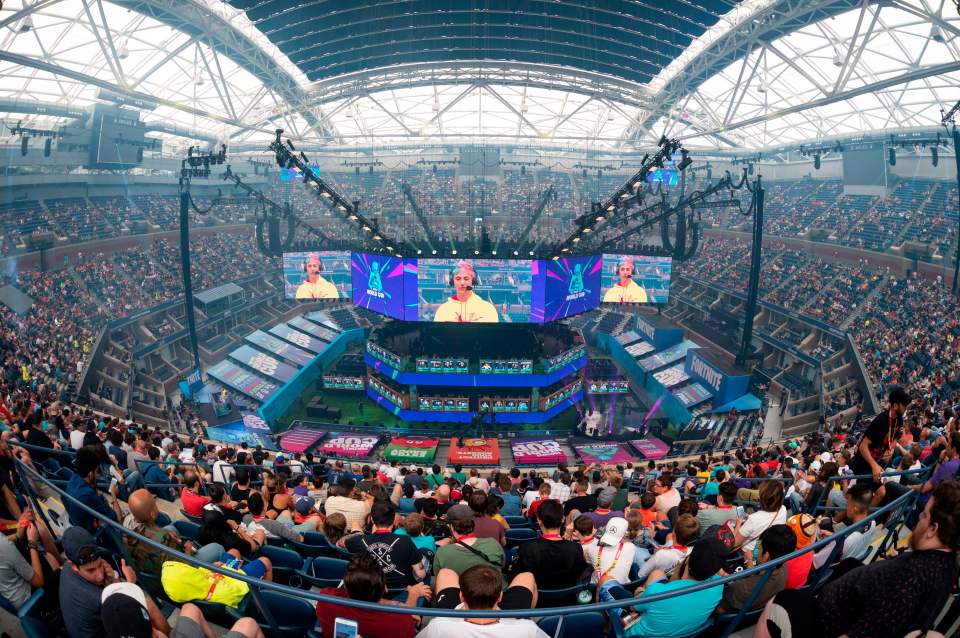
222, 472
583, 532
669, 556
295, 465
612, 557
771, 512
857, 542
560, 490
76, 435
477, 482
481, 588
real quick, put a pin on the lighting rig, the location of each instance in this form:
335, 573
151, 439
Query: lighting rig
623, 196
951, 118
818, 151
196, 166
287, 156
269, 214
26, 133
918, 141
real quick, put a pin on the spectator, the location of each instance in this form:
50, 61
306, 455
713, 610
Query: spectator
18, 577
668, 496
483, 525
582, 502
354, 507
583, 532
543, 496
466, 550
142, 519
804, 527
878, 442
414, 528
223, 472
396, 554
856, 543
550, 558
666, 558
82, 487
511, 502
604, 513
480, 587
191, 501
771, 512
364, 580
613, 557
157, 478
723, 512
126, 614
775, 541
256, 520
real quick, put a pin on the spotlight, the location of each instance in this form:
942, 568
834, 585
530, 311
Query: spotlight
476, 252
433, 252
892, 156
453, 252
685, 160
516, 253
419, 251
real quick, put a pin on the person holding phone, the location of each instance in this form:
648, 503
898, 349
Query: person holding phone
364, 580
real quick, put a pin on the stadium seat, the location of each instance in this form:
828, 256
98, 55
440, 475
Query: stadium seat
286, 562
322, 571
193, 519
564, 596
187, 530
517, 521
516, 537
295, 617
573, 626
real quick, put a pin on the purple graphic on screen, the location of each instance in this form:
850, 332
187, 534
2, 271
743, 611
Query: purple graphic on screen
379, 283
565, 287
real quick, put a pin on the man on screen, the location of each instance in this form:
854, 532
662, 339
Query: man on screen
626, 290
464, 306
315, 286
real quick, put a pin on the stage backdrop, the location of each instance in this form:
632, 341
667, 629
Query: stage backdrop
334, 269
386, 285
348, 444
411, 448
603, 452
237, 432
564, 287
474, 451
650, 448
537, 452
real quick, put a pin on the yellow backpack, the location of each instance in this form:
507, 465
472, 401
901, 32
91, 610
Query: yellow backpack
184, 583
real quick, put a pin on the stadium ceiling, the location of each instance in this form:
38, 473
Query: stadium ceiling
590, 75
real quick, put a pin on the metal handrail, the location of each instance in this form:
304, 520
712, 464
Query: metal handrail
28, 476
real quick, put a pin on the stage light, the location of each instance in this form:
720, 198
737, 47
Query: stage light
600, 218
685, 161
453, 252
419, 251
531, 253
352, 218
326, 194
493, 252
476, 252
892, 156
516, 253
433, 252
576, 239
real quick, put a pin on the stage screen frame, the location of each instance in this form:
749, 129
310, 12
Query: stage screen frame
565, 287
392, 291
335, 270
488, 309
643, 264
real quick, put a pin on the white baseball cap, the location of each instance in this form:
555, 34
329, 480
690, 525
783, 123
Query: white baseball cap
614, 531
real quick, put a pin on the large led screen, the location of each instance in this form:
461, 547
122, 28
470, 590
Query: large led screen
386, 285
564, 287
636, 279
317, 275
475, 290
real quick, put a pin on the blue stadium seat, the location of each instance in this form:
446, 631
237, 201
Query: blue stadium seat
286, 562
517, 521
322, 571
193, 519
573, 626
295, 617
563, 596
187, 530
516, 537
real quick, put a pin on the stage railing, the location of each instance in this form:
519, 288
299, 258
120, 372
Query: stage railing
31, 481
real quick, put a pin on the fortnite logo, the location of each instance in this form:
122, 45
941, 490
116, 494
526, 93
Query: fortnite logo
375, 282
575, 290
703, 370
264, 363
647, 330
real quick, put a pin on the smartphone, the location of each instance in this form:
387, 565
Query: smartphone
113, 483
344, 628
741, 513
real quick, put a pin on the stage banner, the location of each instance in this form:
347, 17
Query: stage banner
348, 444
537, 452
236, 432
252, 421
411, 448
603, 452
300, 440
474, 451
650, 448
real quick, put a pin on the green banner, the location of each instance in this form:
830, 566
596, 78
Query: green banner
411, 448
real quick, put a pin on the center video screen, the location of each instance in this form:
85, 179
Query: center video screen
386, 285
565, 287
636, 279
316, 274
475, 290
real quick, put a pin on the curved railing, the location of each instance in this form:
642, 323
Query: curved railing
897, 510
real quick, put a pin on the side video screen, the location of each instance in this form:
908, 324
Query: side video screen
636, 279
317, 275
386, 285
565, 287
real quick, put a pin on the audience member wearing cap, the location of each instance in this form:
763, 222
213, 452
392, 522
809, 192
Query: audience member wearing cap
481, 587
364, 580
551, 558
82, 582
604, 513
776, 541
466, 550
682, 614
677, 548
272, 528
804, 527
397, 555
613, 556
354, 507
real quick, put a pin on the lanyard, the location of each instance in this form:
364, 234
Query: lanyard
607, 571
551, 537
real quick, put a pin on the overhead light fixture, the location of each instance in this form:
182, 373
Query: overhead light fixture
419, 251
476, 252
433, 252
685, 160
892, 156
27, 24
816, 161
453, 252
493, 252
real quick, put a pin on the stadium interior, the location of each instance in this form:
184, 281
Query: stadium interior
711, 255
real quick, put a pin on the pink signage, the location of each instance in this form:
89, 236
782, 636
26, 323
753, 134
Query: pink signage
300, 440
651, 448
347, 444
537, 451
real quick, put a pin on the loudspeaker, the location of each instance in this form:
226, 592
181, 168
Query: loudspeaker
23, 144
48, 141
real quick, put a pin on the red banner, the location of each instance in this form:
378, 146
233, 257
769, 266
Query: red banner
474, 451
